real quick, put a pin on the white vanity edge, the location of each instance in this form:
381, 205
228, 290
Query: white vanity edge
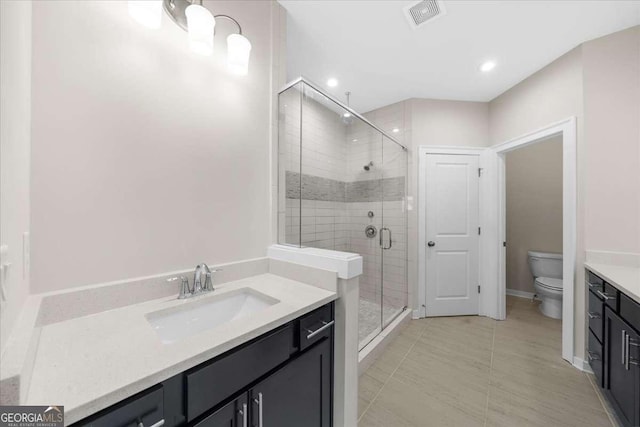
348, 265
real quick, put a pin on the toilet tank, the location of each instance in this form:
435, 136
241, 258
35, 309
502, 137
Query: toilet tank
545, 264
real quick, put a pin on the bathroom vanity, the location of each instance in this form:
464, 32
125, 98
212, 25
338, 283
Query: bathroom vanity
614, 341
281, 378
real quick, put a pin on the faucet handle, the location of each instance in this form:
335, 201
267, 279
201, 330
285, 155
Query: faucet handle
208, 283
185, 290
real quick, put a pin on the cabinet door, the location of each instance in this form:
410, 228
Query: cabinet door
233, 414
622, 378
297, 395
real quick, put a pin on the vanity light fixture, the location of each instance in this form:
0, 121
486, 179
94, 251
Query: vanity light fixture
200, 23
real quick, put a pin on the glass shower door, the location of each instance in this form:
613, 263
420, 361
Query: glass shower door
393, 242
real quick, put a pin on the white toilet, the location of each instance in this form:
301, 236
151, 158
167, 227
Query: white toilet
547, 274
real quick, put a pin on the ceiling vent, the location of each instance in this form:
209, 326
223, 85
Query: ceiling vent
424, 11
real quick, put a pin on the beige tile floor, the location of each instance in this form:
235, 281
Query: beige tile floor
474, 371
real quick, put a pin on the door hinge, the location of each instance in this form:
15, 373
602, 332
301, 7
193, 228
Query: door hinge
479, 172
504, 244
478, 288
479, 230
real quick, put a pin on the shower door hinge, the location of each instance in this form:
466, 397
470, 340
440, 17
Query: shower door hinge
479, 172
478, 288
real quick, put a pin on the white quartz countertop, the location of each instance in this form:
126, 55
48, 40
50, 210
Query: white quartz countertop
626, 279
89, 363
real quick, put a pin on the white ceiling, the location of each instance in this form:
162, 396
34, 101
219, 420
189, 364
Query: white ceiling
370, 48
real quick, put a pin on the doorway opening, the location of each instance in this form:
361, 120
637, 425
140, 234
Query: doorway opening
566, 132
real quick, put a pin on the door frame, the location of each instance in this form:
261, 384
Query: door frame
423, 150
566, 128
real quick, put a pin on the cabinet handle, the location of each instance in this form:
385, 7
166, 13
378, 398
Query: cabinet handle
593, 315
593, 356
322, 328
626, 351
244, 413
259, 402
158, 424
604, 295
624, 348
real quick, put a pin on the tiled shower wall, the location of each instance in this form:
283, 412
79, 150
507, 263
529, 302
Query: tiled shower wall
337, 193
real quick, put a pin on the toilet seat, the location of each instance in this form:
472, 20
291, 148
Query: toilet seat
549, 283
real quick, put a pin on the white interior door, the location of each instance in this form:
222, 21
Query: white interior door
452, 185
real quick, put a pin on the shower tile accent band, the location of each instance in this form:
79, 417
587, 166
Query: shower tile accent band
325, 189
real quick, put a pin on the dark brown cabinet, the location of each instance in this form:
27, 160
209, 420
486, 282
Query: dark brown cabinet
614, 347
298, 394
623, 368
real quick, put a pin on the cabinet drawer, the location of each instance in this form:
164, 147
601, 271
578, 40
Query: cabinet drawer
630, 311
209, 385
594, 355
594, 282
316, 325
146, 408
595, 315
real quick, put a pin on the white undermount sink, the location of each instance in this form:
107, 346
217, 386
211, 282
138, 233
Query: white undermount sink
207, 312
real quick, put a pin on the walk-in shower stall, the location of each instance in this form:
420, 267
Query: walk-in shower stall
342, 186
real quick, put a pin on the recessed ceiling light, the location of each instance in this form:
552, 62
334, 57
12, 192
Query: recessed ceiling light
332, 82
346, 115
487, 66
395, 130
355, 139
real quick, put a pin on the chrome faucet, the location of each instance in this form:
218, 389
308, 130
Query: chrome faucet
198, 288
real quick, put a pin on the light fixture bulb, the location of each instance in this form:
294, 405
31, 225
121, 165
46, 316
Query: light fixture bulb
346, 115
395, 130
146, 12
332, 82
487, 66
238, 51
200, 24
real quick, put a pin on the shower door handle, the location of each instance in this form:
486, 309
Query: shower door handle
390, 241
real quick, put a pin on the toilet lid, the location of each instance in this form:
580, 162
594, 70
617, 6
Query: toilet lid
549, 282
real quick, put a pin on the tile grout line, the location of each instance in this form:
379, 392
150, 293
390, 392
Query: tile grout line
393, 372
493, 345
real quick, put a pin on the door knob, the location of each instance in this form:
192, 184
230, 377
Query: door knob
431, 243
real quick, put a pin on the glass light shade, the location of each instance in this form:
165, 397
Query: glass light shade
146, 12
238, 51
200, 23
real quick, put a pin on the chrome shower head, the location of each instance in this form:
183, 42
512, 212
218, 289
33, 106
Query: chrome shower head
368, 166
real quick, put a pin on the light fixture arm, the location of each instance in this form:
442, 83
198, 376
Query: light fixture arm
230, 19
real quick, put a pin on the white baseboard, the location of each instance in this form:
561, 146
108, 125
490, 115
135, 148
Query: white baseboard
582, 364
521, 294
